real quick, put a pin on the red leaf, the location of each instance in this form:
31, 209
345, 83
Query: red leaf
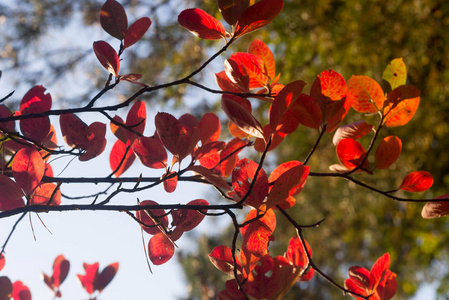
257, 16
353, 131
226, 84
150, 215
365, 94
36, 98
287, 184
160, 249
20, 291
179, 139
276, 139
187, 220
232, 9
201, 24
210, 176
259, 48
36, 129
136, 31
210, 128
28, 169
105, 277
241, 117
11, 195
61, 268
95, 143
221, 258
243, 176
170, 183
5, 288
107, 56
297, 256
150, 152
401, 105
307, 111
44, 193
256, 235
4, 113
113, 19
351, 154
237, 75
119, 131
2, 261
122, 157
388, 152
136, 120
436, 209
88, 280
229, 156
209, 154
283, 101
248, 64
417, 181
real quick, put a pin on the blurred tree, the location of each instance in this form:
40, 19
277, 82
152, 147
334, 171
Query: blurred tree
352, 37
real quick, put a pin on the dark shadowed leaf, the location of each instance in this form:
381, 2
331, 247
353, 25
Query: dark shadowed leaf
105, 277
88, 280
307, 111
107, 56
5, 288
20, 291
232, 9
395, 73
210, 176
113, 19
257, 16
61, 267
241, 117
388, 152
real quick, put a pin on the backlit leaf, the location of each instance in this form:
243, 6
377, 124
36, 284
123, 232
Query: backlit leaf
307, 111
136, 31
88, 280
351, 153
160, 249
401, 105
417, 181
188, 219
333, 85
221, 258
229, 157
237, 74
61, 268
210, 176
107, 56
121, 155
226, 84
436, 209
241, 117
37, 98
259, 48
136, 120
201, 24
171, 183
150, 152
388, 152
210, 128
113, 19
45, 194
152, 217
253, 66
395, 73
353, 131
283, 101
2, 261
365, 94
242, 178
257, 16
20, 291
297, 256
36, 129
28, 169
4, 113
209, 154
276, 139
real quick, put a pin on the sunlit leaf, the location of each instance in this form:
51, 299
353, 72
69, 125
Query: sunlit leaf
242, 178
136, 120
276, 139
113, 19
2, 261
188, 219
136, 31
88, 280
107, 56
121, 155
28, 169
253, 66
221, 258
36, 97
365, 94
61, 268
150, 152
297, 256
171, 183
201, 24
417, 181
401, 105
45, 194
152, 218
241, 117
395, 73
237, 75
210, 128
259, 48
351, 154
209, 154
257, 16
388, 152
160, 249
226, 84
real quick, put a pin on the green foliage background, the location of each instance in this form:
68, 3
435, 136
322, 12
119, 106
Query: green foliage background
353, 38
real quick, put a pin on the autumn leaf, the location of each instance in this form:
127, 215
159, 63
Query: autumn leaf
242, 178
259, 48
136, 31
436, 209
388, 152
351, 154
121, 155
28, 168
107, 56
105, 277
395, 73
333, 85
160, 249
201, 24
210, 128
113, 19
241, 117
88, 280
20, 291
232, 9
152, 217
417, 181
401, 105
365, 94
221, 258
353, 131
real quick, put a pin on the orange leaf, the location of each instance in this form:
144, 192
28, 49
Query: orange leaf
136, 31
107, 56
401, 105
253, 66
365, 94
113, 19
201, 24
388, 152
45, 195
333, 85
170, 183
259, 48
417, 181
257, 16
28, 168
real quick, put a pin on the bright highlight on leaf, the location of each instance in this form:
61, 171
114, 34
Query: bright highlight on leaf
107, 56
201, 24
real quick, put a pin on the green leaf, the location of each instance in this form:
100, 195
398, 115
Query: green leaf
395, 73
